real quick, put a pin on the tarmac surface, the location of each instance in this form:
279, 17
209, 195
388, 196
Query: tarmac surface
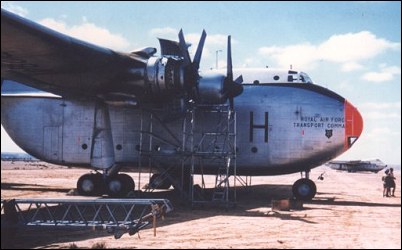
349, 211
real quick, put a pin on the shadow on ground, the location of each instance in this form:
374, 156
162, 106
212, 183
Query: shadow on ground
251, 201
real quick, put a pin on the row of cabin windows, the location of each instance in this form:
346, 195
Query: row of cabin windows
303, 78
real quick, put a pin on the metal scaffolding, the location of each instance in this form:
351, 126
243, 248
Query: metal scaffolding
205, 144
117, 216
213, 144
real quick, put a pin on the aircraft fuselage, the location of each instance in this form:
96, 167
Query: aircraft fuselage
281, 128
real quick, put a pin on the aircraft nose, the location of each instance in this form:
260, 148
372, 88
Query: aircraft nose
353, 124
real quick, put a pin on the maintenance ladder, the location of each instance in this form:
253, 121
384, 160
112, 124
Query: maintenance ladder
116, 216
215, 145
207, 138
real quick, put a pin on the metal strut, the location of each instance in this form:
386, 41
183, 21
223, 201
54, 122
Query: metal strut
117, 216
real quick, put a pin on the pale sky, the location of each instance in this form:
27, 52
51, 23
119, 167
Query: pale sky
352, 48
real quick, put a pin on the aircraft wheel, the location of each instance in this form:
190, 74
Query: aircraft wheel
90, 184
158, 182
304, 189
128, 183
120, 185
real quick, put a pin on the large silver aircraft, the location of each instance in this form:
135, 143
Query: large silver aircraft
358, 165
72, 103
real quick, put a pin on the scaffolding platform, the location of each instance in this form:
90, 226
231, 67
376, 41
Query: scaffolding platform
116, 216
207, 138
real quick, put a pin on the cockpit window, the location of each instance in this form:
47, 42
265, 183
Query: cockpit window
304, 78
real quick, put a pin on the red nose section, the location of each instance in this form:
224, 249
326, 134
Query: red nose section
353, 125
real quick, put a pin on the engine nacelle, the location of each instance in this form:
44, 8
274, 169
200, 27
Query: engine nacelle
210, 89
163, 77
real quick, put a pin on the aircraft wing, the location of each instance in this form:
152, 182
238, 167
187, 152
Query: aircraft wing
45, 59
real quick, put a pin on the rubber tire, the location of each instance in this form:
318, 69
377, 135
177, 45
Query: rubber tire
90, 185
129, 184
304, 189
120, 185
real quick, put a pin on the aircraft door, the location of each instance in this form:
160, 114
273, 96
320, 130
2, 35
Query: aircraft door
78, 126
51, 143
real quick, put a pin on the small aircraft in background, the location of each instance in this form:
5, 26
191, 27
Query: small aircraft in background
358, 165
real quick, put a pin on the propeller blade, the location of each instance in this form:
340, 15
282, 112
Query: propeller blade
239, 80
170, 48
184, 48
198, 53
229, 73
231, 88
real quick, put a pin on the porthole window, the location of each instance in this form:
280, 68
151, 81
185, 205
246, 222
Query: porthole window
254, 149
84, 146
276, 78
119, 147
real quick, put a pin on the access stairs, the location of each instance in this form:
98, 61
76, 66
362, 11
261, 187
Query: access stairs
207, 140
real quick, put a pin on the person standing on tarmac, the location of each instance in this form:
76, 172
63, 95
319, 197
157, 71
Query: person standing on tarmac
392, 182
385, 181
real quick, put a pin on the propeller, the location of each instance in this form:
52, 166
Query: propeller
231, 88
191, 75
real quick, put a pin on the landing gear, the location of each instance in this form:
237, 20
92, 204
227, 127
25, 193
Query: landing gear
90, 185
118, 185
304, 188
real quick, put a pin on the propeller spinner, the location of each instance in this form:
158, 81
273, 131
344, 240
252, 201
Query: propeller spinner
231, 88
208, 88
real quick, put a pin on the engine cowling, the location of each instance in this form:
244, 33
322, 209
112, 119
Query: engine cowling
163, 77
174, 77
211, 89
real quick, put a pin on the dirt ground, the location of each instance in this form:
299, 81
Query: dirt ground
348, 211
